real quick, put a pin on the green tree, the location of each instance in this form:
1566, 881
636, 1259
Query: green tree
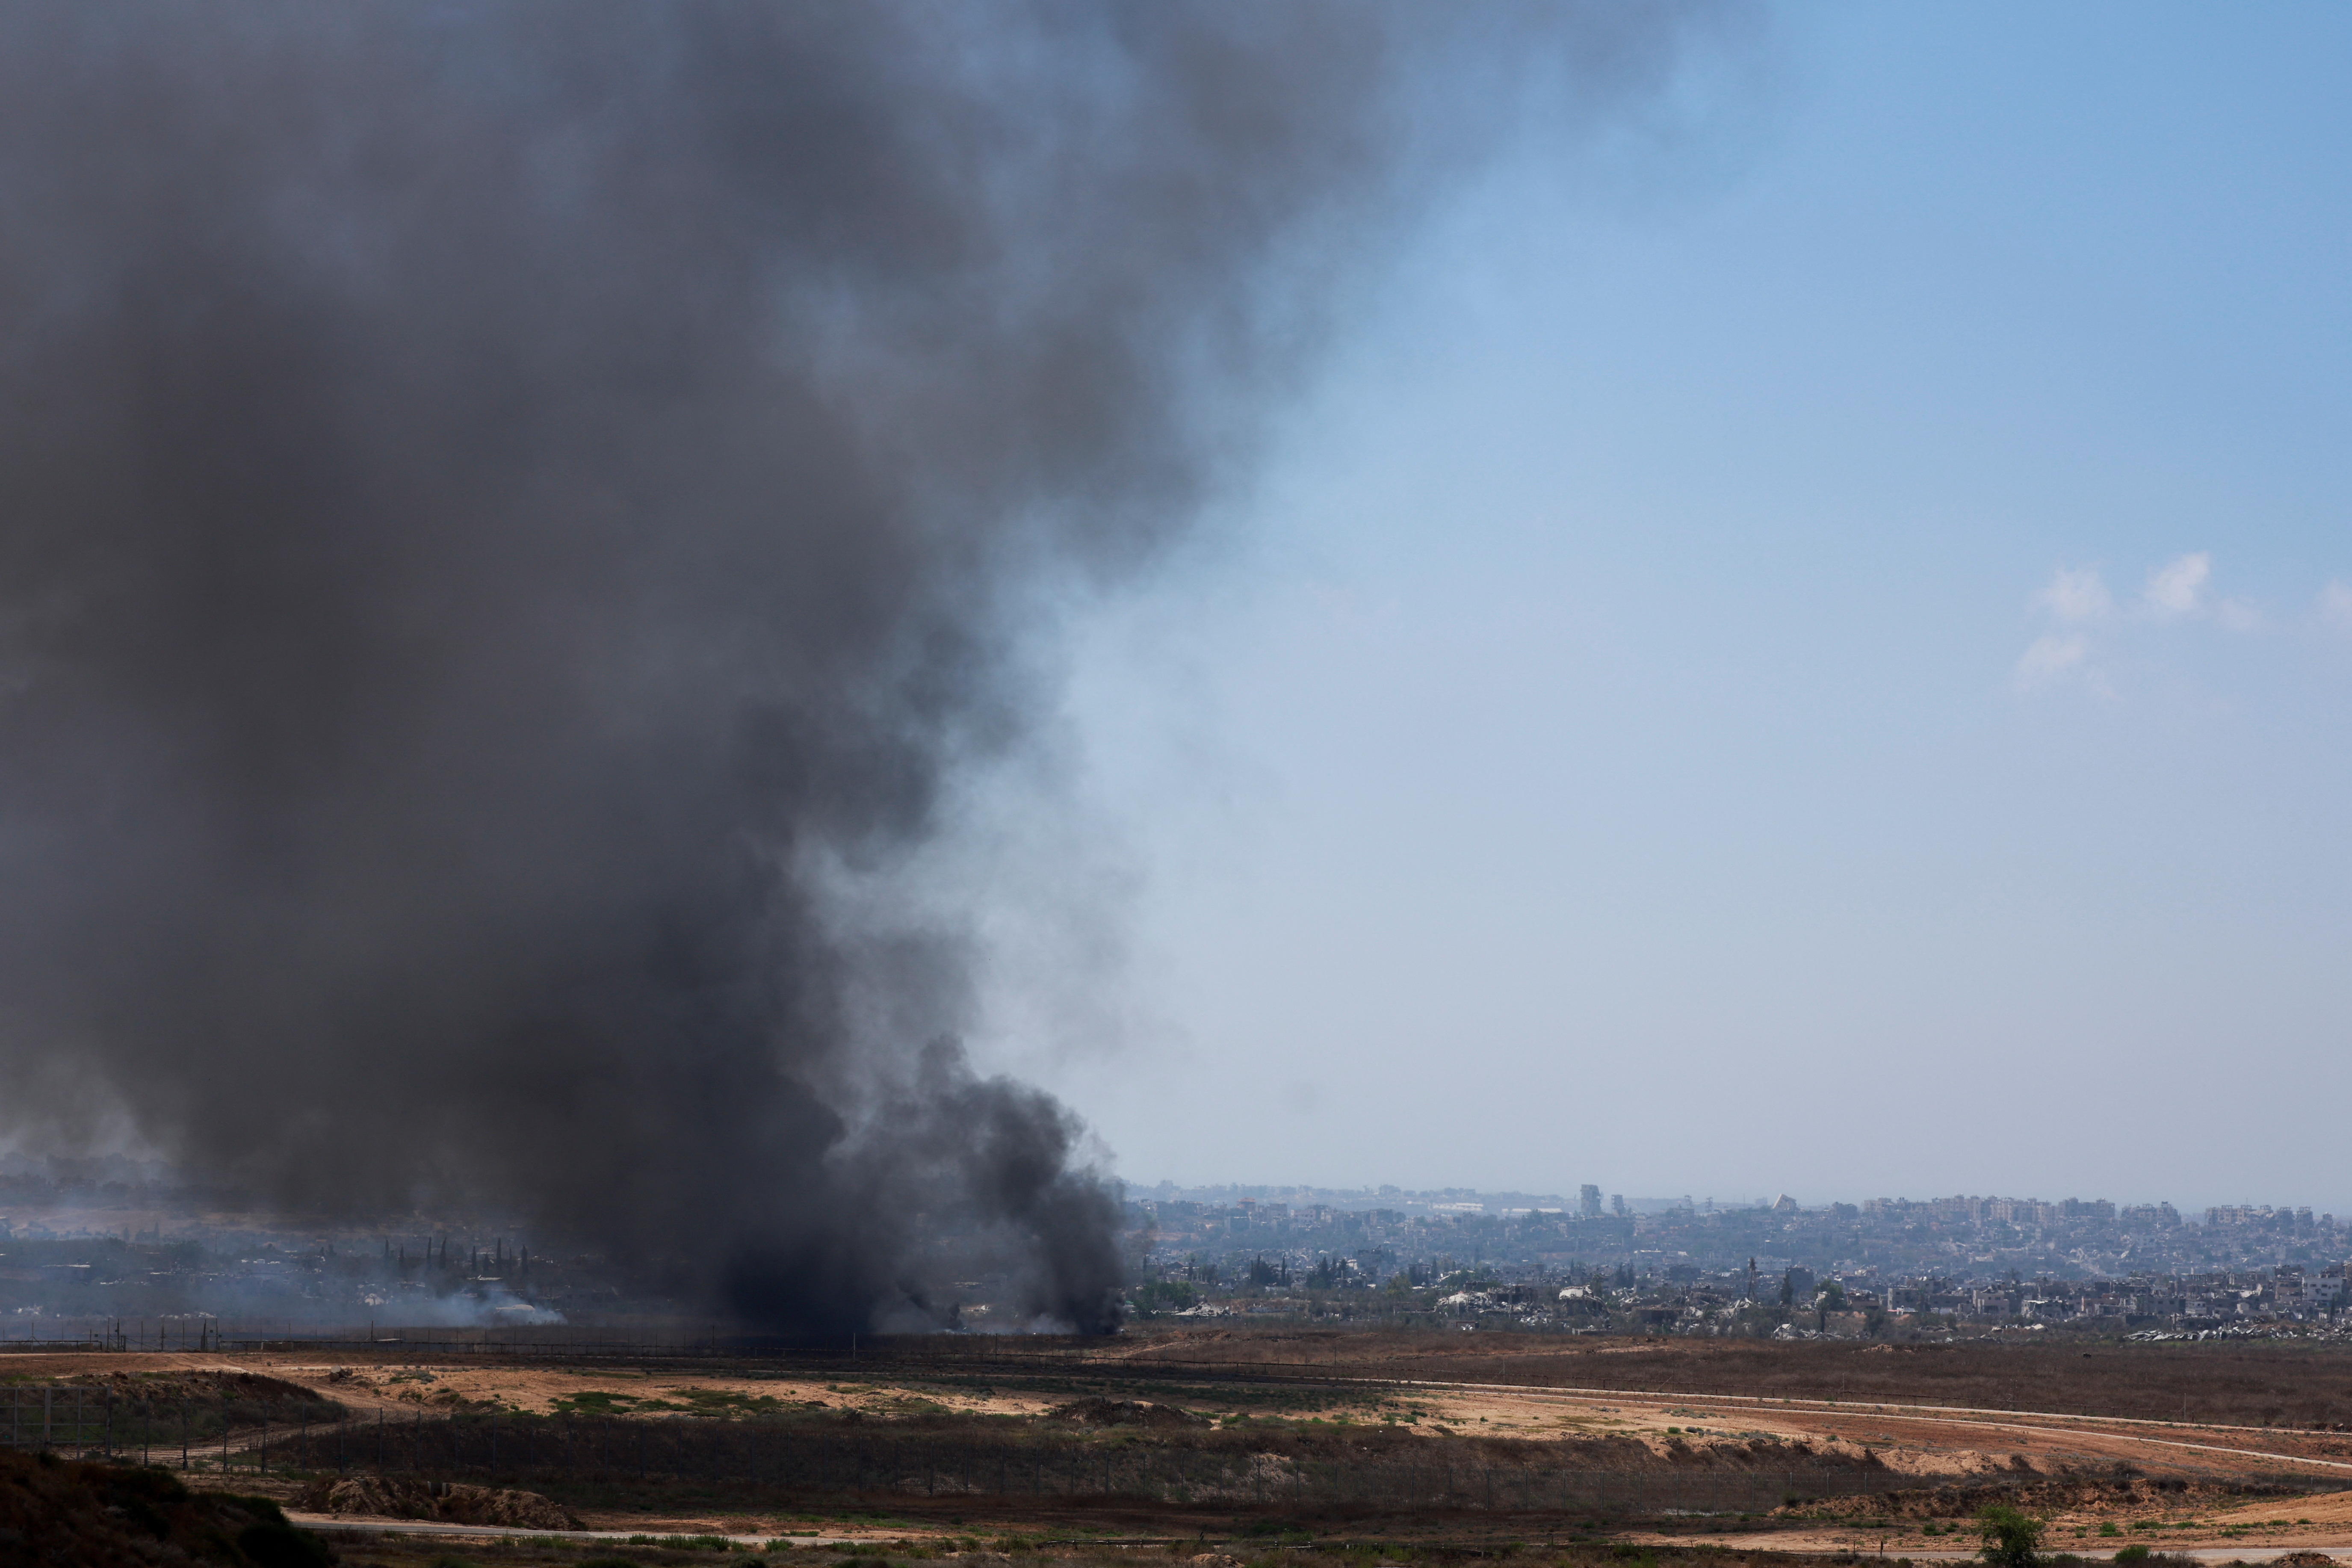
2011, 1539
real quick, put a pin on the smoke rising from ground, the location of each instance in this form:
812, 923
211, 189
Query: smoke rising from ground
501, 507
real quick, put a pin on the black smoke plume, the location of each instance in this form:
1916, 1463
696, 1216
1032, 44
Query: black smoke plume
503, 507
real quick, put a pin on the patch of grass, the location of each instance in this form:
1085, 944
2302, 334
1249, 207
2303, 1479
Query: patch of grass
594, 1401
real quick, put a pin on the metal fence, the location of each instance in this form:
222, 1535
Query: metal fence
57, 1417
515, 1450
523, 1450
506, 1450
662, 1340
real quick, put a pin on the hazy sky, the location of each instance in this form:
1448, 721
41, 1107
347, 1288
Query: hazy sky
1804, 646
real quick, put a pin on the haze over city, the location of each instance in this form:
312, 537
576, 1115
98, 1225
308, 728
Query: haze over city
1802, 644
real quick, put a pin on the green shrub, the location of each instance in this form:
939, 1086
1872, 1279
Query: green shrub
2011, 1539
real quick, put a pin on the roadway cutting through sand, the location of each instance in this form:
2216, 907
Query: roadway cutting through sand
2041, 1424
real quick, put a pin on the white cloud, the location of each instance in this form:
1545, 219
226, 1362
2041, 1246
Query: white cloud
2178, 587
2239, 616
2076, 598
2053, 657
2081, 626
2336, 606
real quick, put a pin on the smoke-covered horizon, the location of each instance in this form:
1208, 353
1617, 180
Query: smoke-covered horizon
506, 507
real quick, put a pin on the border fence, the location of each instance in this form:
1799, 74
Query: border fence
658, 1339
58, 1416
512, 1449
520, 1451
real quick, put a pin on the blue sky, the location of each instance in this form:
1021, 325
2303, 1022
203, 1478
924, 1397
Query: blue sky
1801, 643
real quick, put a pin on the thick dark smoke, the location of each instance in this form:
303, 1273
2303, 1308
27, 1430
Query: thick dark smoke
501, 507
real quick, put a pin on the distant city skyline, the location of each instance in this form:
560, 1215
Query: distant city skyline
1501, 1199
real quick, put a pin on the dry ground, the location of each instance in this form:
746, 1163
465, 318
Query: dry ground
1940, 1414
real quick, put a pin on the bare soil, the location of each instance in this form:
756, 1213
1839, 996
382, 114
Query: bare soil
2090, 1435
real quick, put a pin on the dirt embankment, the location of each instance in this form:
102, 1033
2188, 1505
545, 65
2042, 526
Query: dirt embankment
2071, 1496
207, 1401
2281, 1383
70, 1512
376, 1497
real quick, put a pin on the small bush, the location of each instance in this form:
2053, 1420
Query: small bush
2133, 1553
2011, 1539
261, 1507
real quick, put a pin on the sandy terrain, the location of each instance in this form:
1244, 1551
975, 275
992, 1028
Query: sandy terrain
1943, 1445
441, 1385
